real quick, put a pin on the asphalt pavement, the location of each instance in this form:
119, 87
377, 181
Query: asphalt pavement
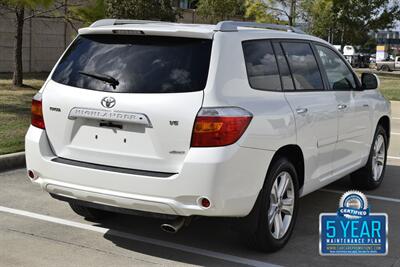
36, 230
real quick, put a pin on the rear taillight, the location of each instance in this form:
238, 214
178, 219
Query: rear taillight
219, 126
36, 112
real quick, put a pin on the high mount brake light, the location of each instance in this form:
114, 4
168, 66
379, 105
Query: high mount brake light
219, 126
36, 112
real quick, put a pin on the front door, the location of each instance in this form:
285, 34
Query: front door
353, 112
315, 110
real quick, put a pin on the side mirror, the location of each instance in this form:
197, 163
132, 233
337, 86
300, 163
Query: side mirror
369, 81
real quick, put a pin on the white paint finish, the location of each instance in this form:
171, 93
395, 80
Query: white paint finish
316, 130
273, 124
143, 239
217, 173
135, 146
354, 128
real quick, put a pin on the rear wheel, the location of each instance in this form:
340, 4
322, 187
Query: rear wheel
385, 68
371, 175
276, 208
90, 214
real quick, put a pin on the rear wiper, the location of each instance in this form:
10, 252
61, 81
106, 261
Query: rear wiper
102, 77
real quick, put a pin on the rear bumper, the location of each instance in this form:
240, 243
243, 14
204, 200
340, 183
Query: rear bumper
230, 177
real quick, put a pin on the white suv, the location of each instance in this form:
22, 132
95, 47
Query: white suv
228, 120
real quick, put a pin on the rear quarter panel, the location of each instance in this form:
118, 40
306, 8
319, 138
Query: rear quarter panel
273, 124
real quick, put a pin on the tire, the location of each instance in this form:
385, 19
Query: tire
385, 68
264, 236
371, 175
90, 214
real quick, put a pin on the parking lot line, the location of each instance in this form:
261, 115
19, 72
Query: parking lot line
396, 200
393, 157
393, 133
103, 230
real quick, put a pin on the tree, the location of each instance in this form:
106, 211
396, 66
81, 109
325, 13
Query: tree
141, 9
257, 10
320, 18
92, 11
285, 8
349, 21
273, 10
38, 8
217, 10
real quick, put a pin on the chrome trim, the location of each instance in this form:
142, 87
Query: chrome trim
109, 115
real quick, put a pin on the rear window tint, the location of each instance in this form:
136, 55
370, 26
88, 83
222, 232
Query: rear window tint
303, 65
140, 64
286, 77
262, 70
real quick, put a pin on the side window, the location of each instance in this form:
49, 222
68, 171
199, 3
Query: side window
262, 70
339, 75
303, 65
286, 77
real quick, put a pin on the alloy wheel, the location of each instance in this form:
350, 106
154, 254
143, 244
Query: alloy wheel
281, 206
378, 157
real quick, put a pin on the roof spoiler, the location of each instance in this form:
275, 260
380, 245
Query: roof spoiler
108, 22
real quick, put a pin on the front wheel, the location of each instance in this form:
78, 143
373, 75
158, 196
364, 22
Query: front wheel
371, 175
277, 208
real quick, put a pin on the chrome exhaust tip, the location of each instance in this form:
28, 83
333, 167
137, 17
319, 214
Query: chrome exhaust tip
174, 226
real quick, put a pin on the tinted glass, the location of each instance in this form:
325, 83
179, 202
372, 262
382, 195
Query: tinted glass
339, 75
262, 70
141, 64
303, 65
286, 77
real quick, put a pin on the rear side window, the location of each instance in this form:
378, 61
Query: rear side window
135, 64
262, 69
303, 65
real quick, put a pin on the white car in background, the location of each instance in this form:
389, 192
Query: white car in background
235, 120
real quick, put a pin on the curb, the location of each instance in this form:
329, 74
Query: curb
12, 161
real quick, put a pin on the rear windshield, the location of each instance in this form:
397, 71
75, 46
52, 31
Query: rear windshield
135, 64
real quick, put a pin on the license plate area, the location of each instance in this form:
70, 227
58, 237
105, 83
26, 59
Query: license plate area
112, 138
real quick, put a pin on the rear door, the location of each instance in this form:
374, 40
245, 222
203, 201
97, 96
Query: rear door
314, 109
127, 101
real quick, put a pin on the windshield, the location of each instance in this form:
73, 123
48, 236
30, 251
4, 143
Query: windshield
136, 64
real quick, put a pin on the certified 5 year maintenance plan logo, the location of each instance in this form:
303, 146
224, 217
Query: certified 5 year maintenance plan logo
353, 230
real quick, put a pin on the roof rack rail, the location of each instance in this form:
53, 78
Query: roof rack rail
232, 26
108, 22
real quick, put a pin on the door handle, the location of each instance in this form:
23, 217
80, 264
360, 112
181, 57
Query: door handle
301, 110
365, 105
342, 106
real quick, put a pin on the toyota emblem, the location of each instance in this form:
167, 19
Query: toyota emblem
108, 102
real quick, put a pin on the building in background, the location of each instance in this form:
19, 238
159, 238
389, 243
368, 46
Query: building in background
186, 4
44, 40
387, 44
